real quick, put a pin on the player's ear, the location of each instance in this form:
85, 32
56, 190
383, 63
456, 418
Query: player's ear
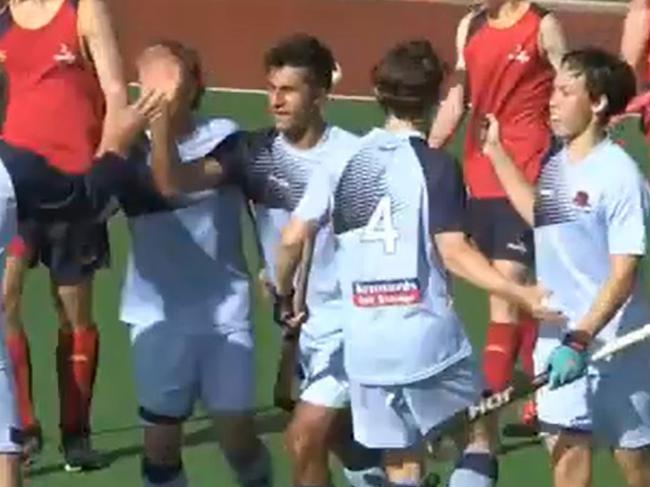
600, 105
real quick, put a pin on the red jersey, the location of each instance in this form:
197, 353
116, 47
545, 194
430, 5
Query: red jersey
508, 77
55, 104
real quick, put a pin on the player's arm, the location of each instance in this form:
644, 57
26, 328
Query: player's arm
552, 41
447, 221
626, 209
172, 177
96, 30
452, 108
303, 226
520, 192
636, 34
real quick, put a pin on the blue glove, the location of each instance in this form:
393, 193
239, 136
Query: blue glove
567, 362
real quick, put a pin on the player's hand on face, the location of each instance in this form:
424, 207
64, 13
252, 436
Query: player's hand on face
160, 71
124, 125
536, 299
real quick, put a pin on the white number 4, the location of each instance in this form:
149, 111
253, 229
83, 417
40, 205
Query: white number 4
380, 227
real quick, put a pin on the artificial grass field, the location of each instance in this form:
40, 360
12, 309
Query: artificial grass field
114, 408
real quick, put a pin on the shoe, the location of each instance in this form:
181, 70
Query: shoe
79, 455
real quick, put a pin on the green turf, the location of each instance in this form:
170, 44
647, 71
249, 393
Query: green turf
114, 418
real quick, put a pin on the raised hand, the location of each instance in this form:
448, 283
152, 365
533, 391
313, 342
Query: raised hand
125, 125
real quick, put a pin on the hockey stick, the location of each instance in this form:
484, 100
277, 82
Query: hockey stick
286, 376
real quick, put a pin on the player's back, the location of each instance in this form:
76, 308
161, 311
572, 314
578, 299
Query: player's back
509, 77
585, 212
187, 265
400, 325
55, 104
276, 180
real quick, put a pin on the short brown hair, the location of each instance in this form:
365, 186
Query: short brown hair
303, 51
605, 75
407, 79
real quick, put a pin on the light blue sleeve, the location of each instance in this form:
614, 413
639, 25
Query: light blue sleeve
316, 202
626, 210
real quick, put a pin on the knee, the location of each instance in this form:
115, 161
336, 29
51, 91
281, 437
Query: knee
302, 440
237, 436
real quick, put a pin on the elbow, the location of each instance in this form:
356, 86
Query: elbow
165, 187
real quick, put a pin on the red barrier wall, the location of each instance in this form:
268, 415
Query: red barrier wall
232, 35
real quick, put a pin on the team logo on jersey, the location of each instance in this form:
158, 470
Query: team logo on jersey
65, 55
520, 55
3, 56
581, 200
397, 292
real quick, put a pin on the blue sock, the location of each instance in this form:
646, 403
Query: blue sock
254, 472
163, 475
475, 470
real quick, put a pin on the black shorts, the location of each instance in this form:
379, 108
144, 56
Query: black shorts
72, 251
499, 231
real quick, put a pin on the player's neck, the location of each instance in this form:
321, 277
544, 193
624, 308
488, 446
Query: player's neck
306, 137
394, 124
507, 13
579, 147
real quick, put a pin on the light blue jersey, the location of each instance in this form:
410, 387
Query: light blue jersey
386, 202
585, 212
187, 265
276, 177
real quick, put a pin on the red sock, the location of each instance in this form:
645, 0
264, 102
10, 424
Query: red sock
528, 328
18, 348
77, 356
499, 354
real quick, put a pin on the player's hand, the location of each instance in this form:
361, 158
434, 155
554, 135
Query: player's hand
283, 313
536, 300
160, 71
126, 124
567, 362
490, 136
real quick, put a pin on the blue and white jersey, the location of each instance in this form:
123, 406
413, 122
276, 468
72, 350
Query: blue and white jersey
186, 265
386, 202
585, 212
275, 175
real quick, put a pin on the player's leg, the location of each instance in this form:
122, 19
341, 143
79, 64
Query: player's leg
166, 390
506, 240
571, 457
9, 430
566, 419
433, 401
19, 257
634, 465
382, 420
73, 253
226, 364
318, 423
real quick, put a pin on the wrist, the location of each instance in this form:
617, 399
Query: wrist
578, 340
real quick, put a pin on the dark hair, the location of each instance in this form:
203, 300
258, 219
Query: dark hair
303, 51
191, 62
407, 79
605, 75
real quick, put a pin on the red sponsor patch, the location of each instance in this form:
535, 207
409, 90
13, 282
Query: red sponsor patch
396, 292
